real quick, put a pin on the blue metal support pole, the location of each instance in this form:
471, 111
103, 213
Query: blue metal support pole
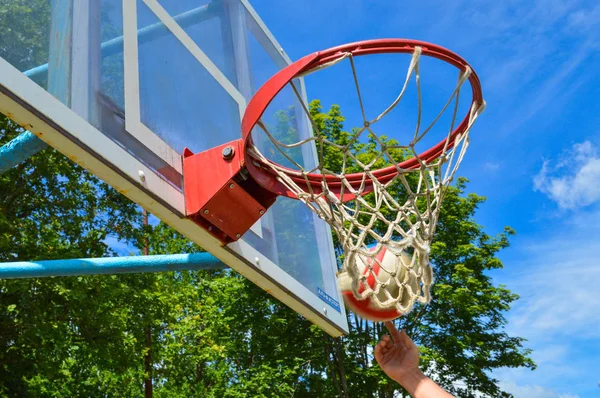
110, 265
27, 144
19, 149
150, 32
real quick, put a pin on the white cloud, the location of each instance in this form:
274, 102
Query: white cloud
556, 275
559, 296
532, 391
572, 181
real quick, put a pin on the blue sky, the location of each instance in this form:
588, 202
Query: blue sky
535, 153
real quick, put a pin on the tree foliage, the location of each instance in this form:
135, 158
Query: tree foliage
24, 26
213, 333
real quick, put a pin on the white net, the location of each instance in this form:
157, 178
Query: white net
369, 213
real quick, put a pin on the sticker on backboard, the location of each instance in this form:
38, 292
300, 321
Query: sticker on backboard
328, 299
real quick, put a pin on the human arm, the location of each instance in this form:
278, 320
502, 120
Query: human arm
398, 357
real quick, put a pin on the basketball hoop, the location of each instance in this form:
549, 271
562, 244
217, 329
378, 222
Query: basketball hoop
352, 203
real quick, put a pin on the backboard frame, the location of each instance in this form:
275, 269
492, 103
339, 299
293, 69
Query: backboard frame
28, 104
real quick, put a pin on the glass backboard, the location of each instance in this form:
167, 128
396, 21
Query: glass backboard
123, 86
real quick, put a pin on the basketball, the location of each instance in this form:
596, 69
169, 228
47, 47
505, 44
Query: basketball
367, 307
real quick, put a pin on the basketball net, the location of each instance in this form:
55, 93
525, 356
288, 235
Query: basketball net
399, 214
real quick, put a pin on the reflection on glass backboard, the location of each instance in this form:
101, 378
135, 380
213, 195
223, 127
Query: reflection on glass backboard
129, 84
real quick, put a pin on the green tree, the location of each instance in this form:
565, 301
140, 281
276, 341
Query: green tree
25, 27
462, 331
52, 330
213, 333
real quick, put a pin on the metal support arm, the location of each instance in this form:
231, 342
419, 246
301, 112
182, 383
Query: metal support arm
110, 265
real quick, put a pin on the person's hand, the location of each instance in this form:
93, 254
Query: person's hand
397, 355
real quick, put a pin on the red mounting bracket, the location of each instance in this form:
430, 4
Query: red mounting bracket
220, 194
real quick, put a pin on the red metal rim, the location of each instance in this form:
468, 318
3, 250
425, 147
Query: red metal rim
262, 172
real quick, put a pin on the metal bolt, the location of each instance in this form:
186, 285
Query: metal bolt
325, 310
238, 236
227, 152
231, 186
262, 212
257, 261
205, 211
142, 175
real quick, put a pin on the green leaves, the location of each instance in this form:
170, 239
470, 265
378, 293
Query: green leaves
213, 333
462, 331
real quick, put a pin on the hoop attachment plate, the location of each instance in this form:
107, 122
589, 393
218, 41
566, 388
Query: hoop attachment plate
219, 196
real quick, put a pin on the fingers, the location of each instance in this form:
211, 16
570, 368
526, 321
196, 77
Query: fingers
386, 344
407, 341
382, 349
400, 337
393, 331
379, 351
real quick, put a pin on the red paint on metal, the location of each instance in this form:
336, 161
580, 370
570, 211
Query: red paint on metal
262, 172
218, 197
